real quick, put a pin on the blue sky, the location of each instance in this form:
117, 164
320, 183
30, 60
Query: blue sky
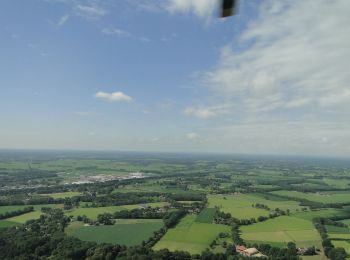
170, 76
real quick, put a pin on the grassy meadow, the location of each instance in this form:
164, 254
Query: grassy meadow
4, 209
282, 230
6, 223
124, 232
342, 243
190, 235
321, 213
206, 216
240, 205
25, 217
21, 219
346, 221
92, 213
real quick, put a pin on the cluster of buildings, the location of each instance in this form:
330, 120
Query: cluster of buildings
249, 252
103, 178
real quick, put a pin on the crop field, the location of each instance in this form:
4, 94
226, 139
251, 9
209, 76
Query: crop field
321, 197
322, 213
206, 216
342, 243
339, 230
240, 206
190, 235
127, 232
338, 236
94, 212
282, 229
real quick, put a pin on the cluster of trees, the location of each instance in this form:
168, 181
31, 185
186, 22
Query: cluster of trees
117, 199
188, 196
330, 251
221, 235
44, 238
153, 213
37, 239
70, 203
105, 219
290, 252
16, 213
260, 206
236, 234
226, 218
25, 200
332, 222
172, 218
29, 176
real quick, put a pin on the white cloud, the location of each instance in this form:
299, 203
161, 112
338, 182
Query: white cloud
114, 96
289, 57
202, 113
148, 5
201, 8
145, 39
282, 137
63, 20
90, 11
192, 136
116, 31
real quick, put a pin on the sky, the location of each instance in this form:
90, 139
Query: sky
169, 75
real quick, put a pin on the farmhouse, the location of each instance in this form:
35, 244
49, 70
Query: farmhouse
250, 252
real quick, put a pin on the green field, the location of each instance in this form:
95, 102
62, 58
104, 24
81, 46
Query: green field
5, 224
339, 236
206, 216
124, 232
94, 212
337, 183
282, 230
342, 243
4, 209
240, 206
190, 235
322, 197
25, 217
321, 213
339, 230
315, 257
346, 221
